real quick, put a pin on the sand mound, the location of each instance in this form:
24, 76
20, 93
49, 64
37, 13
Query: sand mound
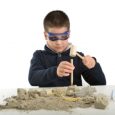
56, 99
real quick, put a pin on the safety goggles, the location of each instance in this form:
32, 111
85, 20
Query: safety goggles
58, 36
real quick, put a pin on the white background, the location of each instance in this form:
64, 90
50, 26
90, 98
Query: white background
21, 33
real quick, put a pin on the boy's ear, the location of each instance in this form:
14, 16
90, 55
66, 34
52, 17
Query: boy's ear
45, 35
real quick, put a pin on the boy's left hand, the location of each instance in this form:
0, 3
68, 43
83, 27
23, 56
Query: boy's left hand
89, 62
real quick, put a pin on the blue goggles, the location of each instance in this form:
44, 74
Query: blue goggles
58, 36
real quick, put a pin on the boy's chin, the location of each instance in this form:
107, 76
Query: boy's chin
59, 51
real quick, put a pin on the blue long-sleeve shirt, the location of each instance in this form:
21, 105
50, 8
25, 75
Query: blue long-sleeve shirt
44, 66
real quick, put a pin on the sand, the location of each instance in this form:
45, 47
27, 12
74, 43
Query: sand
56, 99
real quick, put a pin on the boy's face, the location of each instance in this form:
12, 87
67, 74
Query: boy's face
57, 38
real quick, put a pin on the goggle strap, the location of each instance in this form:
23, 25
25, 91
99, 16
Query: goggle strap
56, 34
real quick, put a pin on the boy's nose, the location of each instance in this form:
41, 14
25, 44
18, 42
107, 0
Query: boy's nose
58, 41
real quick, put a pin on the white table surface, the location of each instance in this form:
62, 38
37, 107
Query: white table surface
110, 110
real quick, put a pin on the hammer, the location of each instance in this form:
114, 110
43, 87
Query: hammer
73, 53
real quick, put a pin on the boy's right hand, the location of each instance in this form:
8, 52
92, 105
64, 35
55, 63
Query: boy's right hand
65, 68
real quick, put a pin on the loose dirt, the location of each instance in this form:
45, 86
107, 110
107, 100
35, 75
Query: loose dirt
56, 99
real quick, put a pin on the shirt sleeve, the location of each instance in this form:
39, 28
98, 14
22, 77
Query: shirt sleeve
94, 76
38, 74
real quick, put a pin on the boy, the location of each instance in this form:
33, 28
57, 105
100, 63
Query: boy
51, 67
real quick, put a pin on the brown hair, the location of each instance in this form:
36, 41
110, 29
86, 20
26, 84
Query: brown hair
56, 18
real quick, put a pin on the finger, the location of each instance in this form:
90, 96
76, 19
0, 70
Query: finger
89, 62
67, 71
66, 74
62, 74
69, 68
87, 59
68, 64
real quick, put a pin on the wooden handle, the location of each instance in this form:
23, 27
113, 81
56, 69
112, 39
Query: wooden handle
72, 73
81, 57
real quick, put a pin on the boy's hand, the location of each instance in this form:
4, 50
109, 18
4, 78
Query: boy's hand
65, 68
88, 61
